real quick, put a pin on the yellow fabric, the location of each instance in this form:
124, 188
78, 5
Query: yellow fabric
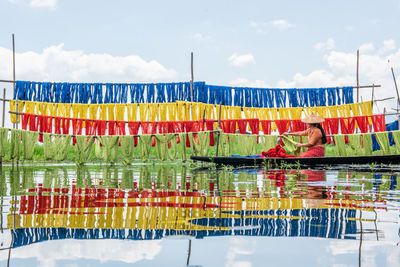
143, 110
120, 112
295, 113
93, 111
355, 108
132, 112
186, 106
171, 107
333, 111
163, 111
236, 112
103, 112
321, 111
75, 111
30, 107
110, 111
180, 110
366, 108
13, 107
344, 110
284, 114
152, 115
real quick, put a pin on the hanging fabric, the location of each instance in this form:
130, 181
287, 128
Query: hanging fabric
76, 129
378, 122
254, 126
133, 127
109, 147
347, 95
3, 141
145, 141
127, 148
355, 144
396, 137
15, 145
29, 140
183, 148
163, 151
91, 127
340, 145
84, 146
367, 144
13, 107
363, 124
200, 143
383, 140
210, 127
268, 142
242, 125
266, 126
62, 144
247, 144
223, 148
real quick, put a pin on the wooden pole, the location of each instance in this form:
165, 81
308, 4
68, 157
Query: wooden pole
2, 120
13, 65
358, 83
191, 83
397, 90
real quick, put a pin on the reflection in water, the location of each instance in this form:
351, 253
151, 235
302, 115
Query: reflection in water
150, 203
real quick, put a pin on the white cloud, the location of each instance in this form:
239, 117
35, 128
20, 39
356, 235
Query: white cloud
51, 4
241, 60
201, 37
366, 48
341, 71
55, 63
328, 45
282, 24
349, 28
243, 82
388, 45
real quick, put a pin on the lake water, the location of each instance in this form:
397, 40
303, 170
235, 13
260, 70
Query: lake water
177, 215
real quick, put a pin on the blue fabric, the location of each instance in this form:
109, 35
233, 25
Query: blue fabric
293, 98
249, 156
172, 92
394, 126
375, 144
321, 97
347, 96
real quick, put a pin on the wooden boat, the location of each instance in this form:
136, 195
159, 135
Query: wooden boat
324, 161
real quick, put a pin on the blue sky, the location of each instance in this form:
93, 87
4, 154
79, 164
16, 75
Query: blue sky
253, 43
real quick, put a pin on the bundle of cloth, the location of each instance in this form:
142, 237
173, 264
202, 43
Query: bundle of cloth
277, 152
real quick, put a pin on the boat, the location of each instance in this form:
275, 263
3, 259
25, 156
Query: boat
374, 160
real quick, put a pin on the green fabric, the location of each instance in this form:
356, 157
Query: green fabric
83, 146
340, 145
15, 144
247, 144
29, 140
145, 141
268, 142
201, 145
383, 140
98, 152
291, 143
3, 141
182, 144
127, 146
396, 137
163, 151
48, 146
110, 147
62, 143
355, 144
223, 148
367, 144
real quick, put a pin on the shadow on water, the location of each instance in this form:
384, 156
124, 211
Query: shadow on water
42, 204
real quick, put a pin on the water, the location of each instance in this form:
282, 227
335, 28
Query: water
174, 215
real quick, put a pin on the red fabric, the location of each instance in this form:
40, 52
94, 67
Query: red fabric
313, 152
76, 128
57, 125
363, 124
120, 127
24, 120
266, 126
210, 127
277, 152
90, 127
228, 126
254, 126
162, 127
282, 125
133, 127
347, 126
189, 126
101, 127
242, 125
378, 121
298, 126
111, 127
149, 127
32, 122
65, 125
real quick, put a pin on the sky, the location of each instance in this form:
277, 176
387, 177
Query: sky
278, 44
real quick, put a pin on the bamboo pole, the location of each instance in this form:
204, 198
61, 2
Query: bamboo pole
397, 90
358, 83
2, 120
13, 64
